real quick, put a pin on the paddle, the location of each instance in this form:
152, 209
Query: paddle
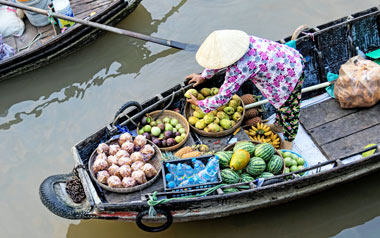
169, 43
304, 90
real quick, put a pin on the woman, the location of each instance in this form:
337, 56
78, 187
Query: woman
274, 68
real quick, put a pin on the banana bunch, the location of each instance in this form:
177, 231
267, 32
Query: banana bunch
264, 134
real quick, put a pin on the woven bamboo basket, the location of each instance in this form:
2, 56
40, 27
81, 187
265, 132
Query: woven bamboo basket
189, 111
231, 147
155, 161
181, 119
271, 126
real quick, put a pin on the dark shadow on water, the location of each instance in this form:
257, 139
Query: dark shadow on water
321, 215
90, 67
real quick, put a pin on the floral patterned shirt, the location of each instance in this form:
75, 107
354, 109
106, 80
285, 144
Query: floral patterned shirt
273, 67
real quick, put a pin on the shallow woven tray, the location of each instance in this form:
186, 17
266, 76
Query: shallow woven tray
155, 161
181, 119
189, 111
231, 147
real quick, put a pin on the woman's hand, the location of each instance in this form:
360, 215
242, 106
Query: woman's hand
193, 100
197, 78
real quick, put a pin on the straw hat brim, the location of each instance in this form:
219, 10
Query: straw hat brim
222, 48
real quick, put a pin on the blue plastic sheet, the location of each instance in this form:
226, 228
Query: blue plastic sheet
330, 89
6, 51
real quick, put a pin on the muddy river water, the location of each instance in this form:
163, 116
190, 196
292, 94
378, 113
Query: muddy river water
43, 113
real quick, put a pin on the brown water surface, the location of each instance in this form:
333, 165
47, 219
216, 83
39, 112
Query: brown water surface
45, 112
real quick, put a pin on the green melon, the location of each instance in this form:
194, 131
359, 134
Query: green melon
224, 158
255, 166
264, 151
266, 175
246, 178
229, 176
245, 145
276, 164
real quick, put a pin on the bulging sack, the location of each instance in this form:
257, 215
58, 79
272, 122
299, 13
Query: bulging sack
358, 84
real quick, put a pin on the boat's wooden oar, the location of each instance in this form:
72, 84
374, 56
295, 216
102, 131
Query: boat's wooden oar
169, 43
304, 90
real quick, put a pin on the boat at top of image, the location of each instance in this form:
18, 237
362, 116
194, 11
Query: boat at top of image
330, 140
43, 42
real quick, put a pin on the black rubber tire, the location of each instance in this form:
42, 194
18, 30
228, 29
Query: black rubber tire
127, 105
142, 226
56, 205
272, 181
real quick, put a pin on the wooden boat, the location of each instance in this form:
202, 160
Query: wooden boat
41, 45
325, 48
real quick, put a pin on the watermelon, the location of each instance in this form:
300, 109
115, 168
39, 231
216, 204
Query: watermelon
255, 166
266, 175
245, 145
276, 164
246, 178
229, 176
224, 158
230, 190
239, 172
264, 151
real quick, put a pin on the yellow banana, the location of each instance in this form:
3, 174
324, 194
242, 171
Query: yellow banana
268, 133
266, 128
254, 128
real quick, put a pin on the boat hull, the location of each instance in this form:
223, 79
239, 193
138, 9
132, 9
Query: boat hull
69, 42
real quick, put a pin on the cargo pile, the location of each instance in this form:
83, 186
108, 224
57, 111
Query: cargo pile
248, 161
124, 163
165, 132
252, 116
224, 118
263, 133
293, 162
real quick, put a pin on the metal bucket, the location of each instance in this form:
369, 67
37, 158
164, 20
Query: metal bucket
36, 19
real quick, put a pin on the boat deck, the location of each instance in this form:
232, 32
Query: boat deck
341, 132
35, 36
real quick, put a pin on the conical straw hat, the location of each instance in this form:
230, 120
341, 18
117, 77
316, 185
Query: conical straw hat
222, 48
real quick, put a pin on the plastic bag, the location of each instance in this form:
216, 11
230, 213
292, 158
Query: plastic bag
11, 24
358, 84
6, 51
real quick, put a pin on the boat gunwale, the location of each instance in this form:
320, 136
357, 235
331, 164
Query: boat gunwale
137, 205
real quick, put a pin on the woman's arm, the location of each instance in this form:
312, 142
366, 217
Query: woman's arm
232, 82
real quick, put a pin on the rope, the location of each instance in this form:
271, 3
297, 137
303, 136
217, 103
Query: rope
153, 198
166, 107
50, 16
309, 34
34, 40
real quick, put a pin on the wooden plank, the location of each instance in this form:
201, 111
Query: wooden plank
349, 145
323, 113
346, 126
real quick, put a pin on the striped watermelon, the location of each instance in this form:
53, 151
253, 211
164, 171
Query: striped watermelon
255, 166
246, 178
245, 145
276, 164
224, 158
264, 151
266, 175
229, 176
